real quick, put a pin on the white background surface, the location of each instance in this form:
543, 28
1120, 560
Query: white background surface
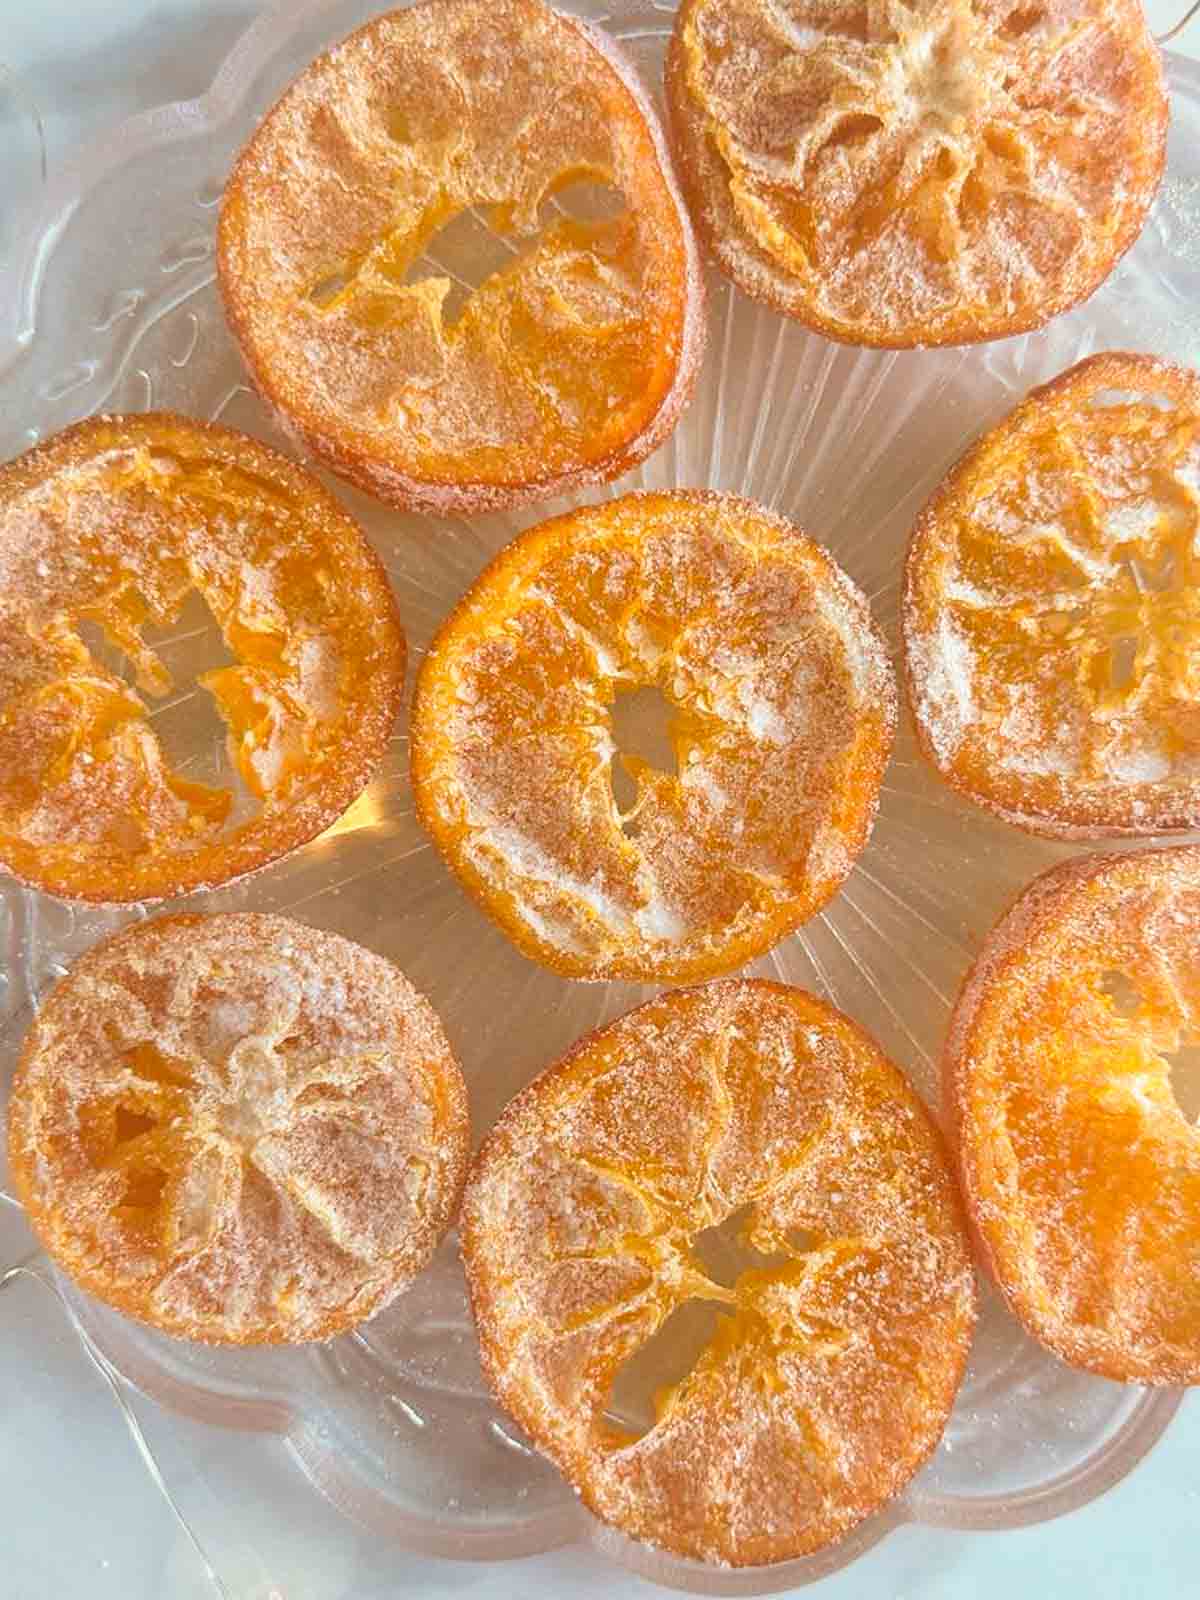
79, 1514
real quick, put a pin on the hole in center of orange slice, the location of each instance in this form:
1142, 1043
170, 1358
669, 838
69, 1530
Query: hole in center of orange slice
727, 1250
730, 1265
657, 1368
465, 247
470, 247
1122, 992
164, 667
1184, 1065
641, 727
195, 737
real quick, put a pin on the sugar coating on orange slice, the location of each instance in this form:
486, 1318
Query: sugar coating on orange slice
107, 532
238, 1129
915, 172
568, 361
836, 1352
1075, 1097
1052, 606
782, 712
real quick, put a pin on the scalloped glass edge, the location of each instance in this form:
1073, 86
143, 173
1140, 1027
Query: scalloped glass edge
21, 286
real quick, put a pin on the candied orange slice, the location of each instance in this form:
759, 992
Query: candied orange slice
1052, 607
1074, 1076
917, 172
731, 1194
781, 713
113, 535
456, 260
238, 1129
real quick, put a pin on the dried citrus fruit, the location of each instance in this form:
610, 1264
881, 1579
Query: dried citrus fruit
238, 1129
744, 1149
917, 171
107, 532
389, 159
781, 706
1076, 1099
1052, 606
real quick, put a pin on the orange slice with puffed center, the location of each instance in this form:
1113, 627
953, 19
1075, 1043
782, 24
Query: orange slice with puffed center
238, 1129
917, 172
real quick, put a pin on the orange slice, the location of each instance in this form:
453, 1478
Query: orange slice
238, 1129
781, 707
917, 172
107, 532
1052, 607
1072, 1072
611, 1204
438, 138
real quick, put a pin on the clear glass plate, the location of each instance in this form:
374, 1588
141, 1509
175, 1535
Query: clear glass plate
112, 303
